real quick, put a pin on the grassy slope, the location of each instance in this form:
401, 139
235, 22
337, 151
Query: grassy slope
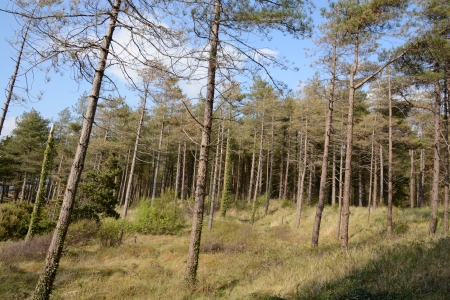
263, 261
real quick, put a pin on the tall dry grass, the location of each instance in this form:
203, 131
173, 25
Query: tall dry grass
270, 260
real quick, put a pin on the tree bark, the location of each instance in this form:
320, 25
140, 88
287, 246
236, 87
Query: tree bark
183, 174
349, 148
133, 160
14, 77
252, 171
45, 282
214, 186
301, 178
446, 163
341, 191
411, 180
197, 220
436, 160
269, 185
258, 172
226, 178
390, 161
381, 175
421, 194
158, 157
35, 215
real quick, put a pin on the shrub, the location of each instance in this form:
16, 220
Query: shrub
15, 219
81, 232
112, 231
164, 217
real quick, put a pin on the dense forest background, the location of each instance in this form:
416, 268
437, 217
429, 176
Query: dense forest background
370, 129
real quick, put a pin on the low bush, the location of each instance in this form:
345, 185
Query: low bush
112, 231
164, 217
81, 232
15, 219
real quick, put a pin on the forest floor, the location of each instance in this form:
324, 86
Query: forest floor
271, 259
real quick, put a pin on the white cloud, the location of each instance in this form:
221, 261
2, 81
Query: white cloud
8, 126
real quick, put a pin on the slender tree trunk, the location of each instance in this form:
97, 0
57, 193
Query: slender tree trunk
421, 194
446, 163
369, 204
436, 161
183, 174
411, 180
341, 191
333, 180
323, 174
390, 161
226, 178
252, 171
360, 190
381, 201
35, 216
219, 177
194, 171
24, 184
349, 149
45, 283
14, 77
158, 157
178, 174
124, 181
375, 182
310, 186
258, 172
133, 160
269, 184
239, 172
301, 178
197, 221
214, 186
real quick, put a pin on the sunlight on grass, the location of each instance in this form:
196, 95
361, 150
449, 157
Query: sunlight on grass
271, 259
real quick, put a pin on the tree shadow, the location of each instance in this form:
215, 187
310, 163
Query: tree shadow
418, 270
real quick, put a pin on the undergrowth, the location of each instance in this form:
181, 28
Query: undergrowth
271, 259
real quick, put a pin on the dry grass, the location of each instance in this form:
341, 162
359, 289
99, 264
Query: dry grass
269, 260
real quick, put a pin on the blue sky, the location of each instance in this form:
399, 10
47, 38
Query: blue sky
62, 91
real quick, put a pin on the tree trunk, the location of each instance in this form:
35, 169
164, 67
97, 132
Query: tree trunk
375, 182
323, 174
35, 216
360, 190
133, 160
269, 184
411, 180
24, 184
369, 204
446, 164
258, 172
45, 283
310, 186
436, 161
381, 175
252, 171
178, 174
183, 174
341, 190
197, 221
421, 195
214, 186
158, 157
333, 180
13, 78
226, 178
390, 159
301, 178
348, 154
